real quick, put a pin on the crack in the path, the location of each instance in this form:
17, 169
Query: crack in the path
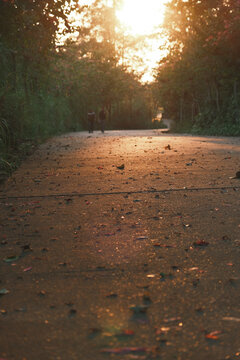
153, 191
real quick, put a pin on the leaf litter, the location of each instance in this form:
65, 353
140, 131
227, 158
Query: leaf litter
172, 319
139, 309
126, 350
142, 238
121, 167
4, 292
12, 258
27, 269
164, 245
231, 318
213, 335
200, 243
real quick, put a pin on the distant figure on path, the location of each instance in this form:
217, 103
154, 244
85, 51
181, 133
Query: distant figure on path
91, 121
102, 118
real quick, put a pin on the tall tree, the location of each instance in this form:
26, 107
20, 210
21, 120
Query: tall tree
200, 69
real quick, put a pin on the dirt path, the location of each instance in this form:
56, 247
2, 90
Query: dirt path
136, 262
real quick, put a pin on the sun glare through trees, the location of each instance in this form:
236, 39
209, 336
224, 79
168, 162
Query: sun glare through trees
138, 23
141, 17
60, 58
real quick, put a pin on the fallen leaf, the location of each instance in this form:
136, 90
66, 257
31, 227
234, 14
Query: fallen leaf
112, 295
22, 309
12, 258
139, 309
237, 176
193, 268
125, 350
233, 281
101, 268
196, 282
142, 238
201, 243
177, 268
226, 238
69, 304
156, 218
28, 269
199, 310
120, 333
26, 248
93, 332
162, 330
213, 335
231, 318
4, 291
72, 313
127, 332
163, 245
172, 319
146, 298
68, 200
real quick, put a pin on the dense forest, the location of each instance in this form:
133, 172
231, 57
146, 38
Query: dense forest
198, 82
53, 70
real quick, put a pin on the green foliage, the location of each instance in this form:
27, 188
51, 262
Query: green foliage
48, 88
198, 82
4, 134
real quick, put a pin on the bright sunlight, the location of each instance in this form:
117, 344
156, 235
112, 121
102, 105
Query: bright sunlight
141, 16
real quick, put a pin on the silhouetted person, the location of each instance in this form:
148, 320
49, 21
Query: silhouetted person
102, 118
91, 121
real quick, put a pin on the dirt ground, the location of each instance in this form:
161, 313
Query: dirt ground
123, 245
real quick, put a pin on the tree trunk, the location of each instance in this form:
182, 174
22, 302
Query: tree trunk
181, 110
217, 98
131, 109
109, 107
193, 108
235, 92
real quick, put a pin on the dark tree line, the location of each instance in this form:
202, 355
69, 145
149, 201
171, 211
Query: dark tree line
198, 82
53, 70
